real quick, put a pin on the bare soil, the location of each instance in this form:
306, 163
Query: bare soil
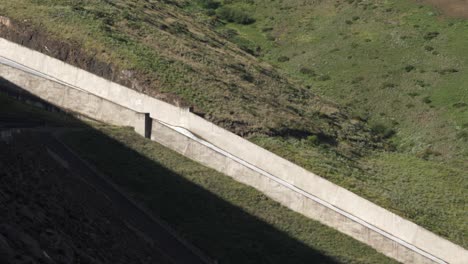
72, 53
455, 8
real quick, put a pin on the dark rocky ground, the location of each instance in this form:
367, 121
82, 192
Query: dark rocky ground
48, 215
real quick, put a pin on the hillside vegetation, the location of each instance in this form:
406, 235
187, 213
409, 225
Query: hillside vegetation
256, 67
397, 65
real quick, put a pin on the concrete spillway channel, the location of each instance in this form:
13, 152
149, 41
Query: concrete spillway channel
204, 142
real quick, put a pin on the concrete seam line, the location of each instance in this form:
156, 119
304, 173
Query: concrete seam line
290, 186
24, 68
14, 65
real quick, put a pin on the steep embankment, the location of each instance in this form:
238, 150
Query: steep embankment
159, 48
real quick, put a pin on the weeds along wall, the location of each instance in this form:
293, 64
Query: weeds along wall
387, 232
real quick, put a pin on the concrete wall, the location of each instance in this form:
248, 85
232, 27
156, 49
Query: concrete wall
202, 153
375, 224
74, 100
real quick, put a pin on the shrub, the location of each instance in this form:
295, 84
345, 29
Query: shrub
247, 45
409, 68
77, 7
178, 28
421, 83
357, 80
360, 115
382, 130
313, 140
270, 37
460, 105
446, 71
463, 135
229, 33
427, 100
388, 85
209, 4
431, 35
307, 71
283, 59
428, 48
210, 12
324, 77
235, 16
247, 77
428, 153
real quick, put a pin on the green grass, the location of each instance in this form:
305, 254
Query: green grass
167, 52
430, 193
397, 65
374, 52
367, 60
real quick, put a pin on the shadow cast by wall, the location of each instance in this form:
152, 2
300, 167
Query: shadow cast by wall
222, 230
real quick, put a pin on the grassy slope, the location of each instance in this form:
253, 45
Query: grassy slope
382, 64
228, 220
188, 59
166, 52
365, 49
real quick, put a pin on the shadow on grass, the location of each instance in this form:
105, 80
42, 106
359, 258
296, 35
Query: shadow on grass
222, 230
181, 198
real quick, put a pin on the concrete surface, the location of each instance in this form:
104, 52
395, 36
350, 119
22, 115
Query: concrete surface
409, 243
189, 145
74, 100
